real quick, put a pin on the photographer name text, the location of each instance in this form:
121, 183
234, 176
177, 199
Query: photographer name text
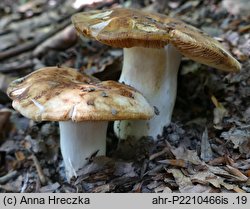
49, 200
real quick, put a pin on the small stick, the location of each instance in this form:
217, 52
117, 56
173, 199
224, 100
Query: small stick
162, 152
7, 177
155, 155
16, 66
64, 22
39, 169
32, 44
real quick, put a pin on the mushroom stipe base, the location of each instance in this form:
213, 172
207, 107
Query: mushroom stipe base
79, 141
154, 73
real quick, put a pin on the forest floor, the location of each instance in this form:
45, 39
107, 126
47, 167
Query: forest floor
206, 148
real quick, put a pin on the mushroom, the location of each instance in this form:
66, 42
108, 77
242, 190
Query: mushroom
153, 46
83, 106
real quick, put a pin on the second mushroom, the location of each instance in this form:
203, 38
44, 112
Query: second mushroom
83, 106
153, 46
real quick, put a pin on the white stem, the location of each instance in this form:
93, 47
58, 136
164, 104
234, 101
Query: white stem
79, 141
154, 73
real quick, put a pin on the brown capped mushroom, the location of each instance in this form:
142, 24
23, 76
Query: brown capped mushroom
153, 44
77, 101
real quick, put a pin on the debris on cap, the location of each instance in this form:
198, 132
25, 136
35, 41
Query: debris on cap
59, 94
127, 28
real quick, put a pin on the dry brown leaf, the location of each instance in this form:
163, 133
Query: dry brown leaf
240, 137
208, 177
221, 172
188, 155
218, 161
165, 151
181, 180
232, 187
178, 163
185, 184
238, 190
236, 172
229, 160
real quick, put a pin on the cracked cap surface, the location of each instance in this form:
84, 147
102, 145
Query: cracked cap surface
59, 94
127, 28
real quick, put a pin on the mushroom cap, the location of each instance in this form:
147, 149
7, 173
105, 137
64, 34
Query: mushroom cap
59, 94
127, 28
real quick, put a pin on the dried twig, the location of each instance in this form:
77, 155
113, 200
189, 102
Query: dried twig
158, 154
65, 21
32, 44
39, 169
16, 66
7, 177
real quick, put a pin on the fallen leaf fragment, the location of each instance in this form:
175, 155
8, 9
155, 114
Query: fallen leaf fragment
240, 137
178, 162
206, 151
236, 172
